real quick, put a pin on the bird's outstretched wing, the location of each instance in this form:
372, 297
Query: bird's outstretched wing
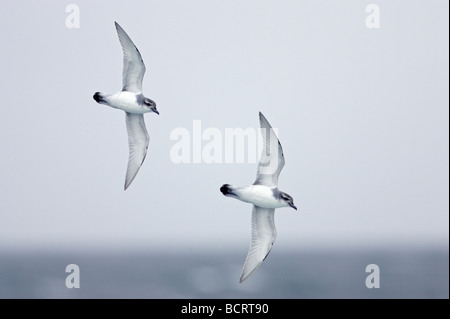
263, 237
271, 161
138, 144
133, 65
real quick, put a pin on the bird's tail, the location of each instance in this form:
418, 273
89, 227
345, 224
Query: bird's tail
99, 97
227, 190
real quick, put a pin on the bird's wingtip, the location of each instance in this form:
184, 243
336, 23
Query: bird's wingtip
244, 277
263, 121
262, 117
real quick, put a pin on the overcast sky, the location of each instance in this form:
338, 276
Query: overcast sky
362, 114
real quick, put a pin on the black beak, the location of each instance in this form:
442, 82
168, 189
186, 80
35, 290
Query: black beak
293, 206
155, 110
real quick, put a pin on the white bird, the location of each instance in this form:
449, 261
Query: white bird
265, 197
133, 102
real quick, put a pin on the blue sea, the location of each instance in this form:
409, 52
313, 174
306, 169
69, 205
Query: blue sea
187, 274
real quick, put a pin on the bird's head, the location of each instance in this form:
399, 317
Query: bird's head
288, 200
151, 105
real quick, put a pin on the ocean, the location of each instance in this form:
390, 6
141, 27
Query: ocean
188, 274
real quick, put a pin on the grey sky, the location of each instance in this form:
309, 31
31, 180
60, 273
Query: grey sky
362, 115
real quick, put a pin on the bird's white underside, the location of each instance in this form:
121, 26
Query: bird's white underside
259, 195
126, 101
